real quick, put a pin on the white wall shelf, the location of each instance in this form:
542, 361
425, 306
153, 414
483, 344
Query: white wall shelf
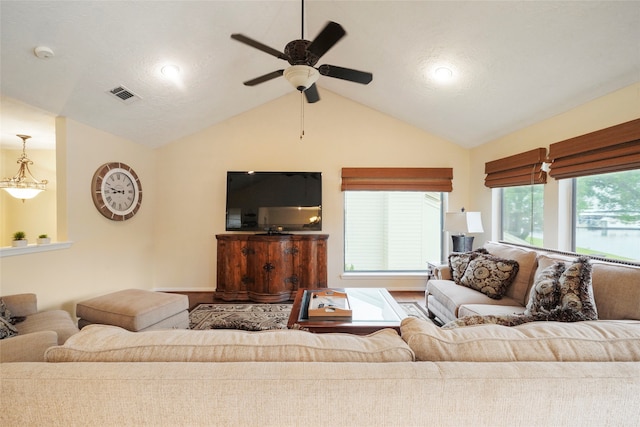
32, 249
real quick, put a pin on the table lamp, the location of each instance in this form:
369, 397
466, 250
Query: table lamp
460, 223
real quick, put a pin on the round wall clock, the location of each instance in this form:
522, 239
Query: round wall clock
116, 191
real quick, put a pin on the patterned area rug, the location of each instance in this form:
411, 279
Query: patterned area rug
259, 317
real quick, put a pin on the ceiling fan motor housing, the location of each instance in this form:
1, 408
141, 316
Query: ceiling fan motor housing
298, 53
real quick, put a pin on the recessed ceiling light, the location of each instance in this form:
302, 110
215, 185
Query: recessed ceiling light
443, 74
170, 71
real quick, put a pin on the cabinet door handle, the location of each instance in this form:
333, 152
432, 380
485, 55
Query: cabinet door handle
268, 267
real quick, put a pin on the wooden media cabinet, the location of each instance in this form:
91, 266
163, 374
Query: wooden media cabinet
269, 268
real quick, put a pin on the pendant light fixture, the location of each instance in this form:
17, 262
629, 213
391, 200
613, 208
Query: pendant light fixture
23, 185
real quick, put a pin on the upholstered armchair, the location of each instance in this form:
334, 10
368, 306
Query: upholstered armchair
37, 332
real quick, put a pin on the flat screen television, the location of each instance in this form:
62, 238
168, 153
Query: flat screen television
274, 202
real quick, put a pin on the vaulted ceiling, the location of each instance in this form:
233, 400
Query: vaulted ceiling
514, 63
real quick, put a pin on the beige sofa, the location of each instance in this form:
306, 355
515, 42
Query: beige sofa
543, 374
38, 331
616, 287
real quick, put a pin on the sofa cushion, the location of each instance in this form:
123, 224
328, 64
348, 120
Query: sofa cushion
616, 290
590, 341
58, 321
100, 343
452, 296
527, 264
545, 292
490, 275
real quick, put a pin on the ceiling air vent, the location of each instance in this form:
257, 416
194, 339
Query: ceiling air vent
124, 94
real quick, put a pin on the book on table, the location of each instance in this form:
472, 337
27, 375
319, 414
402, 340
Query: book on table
329, 305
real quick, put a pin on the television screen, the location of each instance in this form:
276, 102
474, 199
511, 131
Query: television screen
274, 202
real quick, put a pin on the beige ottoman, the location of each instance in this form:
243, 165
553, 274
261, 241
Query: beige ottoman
136, 310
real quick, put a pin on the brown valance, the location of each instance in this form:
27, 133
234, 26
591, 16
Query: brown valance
519, 169
397, 179
613, 149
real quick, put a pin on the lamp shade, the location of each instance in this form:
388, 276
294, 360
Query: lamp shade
463, 222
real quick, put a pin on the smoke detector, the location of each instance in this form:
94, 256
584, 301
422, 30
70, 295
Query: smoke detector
43, 52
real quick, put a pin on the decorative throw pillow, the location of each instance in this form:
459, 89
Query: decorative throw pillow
490, 275
545, 292
490, 319
576, 293
6, 329
458, 262
4, 310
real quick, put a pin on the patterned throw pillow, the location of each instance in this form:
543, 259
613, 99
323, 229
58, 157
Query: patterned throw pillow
490, 275
458, 262
6, 329
489, 319
576, 293
4, 310
545, 292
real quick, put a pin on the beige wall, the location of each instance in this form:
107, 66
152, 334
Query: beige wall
618, 107
105, 255
338, 133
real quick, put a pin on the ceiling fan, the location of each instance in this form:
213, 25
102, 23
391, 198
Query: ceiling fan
303, 55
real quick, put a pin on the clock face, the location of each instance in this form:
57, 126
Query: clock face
116, 191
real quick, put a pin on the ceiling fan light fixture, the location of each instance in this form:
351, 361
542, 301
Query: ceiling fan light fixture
301, 77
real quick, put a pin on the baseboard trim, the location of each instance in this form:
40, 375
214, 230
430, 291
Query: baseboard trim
205, 289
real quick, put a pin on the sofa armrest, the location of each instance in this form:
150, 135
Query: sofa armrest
28, 347
442, 272
21, 305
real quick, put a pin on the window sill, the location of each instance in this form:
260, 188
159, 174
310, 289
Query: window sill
385, 275
33, 248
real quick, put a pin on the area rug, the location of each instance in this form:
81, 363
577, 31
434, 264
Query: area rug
259, 317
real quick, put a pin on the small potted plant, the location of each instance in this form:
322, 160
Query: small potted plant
43, 239
19, 239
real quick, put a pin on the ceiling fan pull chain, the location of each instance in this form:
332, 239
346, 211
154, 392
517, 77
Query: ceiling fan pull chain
301, 115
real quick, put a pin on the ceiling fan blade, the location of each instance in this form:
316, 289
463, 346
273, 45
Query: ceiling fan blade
311, 93
256, 44
324, 41
264, 78
346, 74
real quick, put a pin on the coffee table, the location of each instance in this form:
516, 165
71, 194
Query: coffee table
373, 309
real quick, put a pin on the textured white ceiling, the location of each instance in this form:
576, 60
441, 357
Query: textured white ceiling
515, 62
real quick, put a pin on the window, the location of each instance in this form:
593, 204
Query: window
522, 214
392, 230
607, 215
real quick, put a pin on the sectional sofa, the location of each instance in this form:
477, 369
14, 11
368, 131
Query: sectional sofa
616, 286
538, 373
486, 375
